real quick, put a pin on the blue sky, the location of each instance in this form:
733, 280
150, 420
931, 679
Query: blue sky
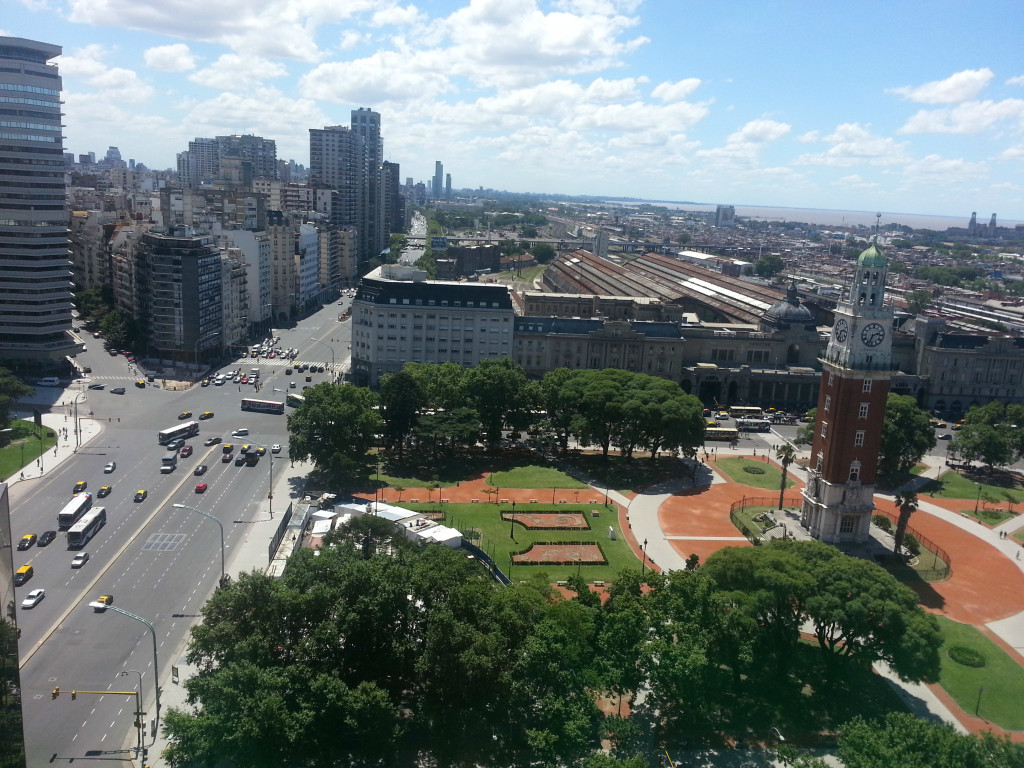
897, 106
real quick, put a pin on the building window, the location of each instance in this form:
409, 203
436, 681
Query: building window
819, 461
855, 471
831, 378
862, 412
824, 430
866, 386
828, 403
858, 438
847, 524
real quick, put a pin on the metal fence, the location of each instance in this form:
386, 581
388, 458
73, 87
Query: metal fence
941, 567
772, 502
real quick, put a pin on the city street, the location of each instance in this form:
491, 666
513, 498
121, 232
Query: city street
157, 562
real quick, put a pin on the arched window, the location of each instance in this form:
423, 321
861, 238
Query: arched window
855, 471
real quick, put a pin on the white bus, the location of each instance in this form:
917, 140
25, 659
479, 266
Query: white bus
80, 504
86, 528
184, 430
753, 425
262, 406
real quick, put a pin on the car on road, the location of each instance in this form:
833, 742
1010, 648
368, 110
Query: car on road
275, 448
245, 448
80, 486
33, 598
101, 602
109, 467
944, 436
27, 541
46, 537
205, 415
242, 432
104, 491
226, 458
113, 352
211, 441
200, 470
308, 377
291, 384
176, 445
218, 382
80, 559
201, 487
261, 450
141, 384
244, 380
97, 386
287, 371
117, 391
186, 451
306, 387
141, 494
227, 448
206, 382
184, 415
240, 460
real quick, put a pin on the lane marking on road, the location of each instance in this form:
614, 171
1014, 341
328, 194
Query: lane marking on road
91, 585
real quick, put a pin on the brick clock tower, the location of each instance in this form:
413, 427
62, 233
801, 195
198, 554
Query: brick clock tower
838, 500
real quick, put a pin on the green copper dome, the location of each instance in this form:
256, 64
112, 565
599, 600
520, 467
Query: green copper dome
872, 257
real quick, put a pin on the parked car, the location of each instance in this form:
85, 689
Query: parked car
33, 598
27, 541
117, 391
291, 384
104, 491
141, 495
944, 436
97, 386
80, 486
46, 537
186, 451
201, 487
200, 470
109, 467
211, 441
80, 559
227, 448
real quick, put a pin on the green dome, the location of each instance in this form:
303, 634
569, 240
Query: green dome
872, 257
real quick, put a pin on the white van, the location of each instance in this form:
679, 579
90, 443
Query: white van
49, 381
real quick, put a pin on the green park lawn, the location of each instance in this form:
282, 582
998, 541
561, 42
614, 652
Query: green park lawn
953, 485
1000, 681
736, 468
22, 446
483, 525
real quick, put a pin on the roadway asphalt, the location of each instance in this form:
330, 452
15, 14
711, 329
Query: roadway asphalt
158, 562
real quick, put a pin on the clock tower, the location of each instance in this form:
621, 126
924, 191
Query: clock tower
839, 497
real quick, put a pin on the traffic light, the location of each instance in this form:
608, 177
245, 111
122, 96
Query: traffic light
55, 694
74, 695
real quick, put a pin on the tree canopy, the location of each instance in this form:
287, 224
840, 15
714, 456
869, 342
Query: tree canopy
907, 435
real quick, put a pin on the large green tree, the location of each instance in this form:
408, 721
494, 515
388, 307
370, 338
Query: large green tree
497, 389
335, 428
907, 435
11, 388
401, 398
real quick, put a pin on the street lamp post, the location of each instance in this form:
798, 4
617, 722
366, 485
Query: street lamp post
138, 706
779, 738
219, 525
78, 432
156, 668
643, 559
977, 501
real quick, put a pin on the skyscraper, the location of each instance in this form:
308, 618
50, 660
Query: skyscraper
438, 180
35, 262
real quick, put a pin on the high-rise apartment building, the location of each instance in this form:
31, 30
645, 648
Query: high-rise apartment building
234, 160
35, 263
438, 178
394, 200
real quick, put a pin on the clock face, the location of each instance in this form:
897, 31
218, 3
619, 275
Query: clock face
872, 335
841, 331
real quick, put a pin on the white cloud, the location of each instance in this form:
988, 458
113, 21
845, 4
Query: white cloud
384, 76
170, 58
234, 72
853, 144
88, 66
856, 181
351, 39
1013, 153
972, 117
933, 169
959, 87
1018, 80
281, 28
676, 91
397, 15
745, 145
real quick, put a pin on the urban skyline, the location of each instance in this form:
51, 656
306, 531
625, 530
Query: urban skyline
759, 106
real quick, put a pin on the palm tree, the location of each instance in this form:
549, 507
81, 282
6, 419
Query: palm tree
907, 504
786, 454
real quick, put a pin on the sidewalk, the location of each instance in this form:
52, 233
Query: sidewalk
58, 420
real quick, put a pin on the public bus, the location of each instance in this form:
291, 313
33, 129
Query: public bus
294, 400
262, 406
721, 433
85, 529
746, 412
80, 504
753, 425
184, 430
